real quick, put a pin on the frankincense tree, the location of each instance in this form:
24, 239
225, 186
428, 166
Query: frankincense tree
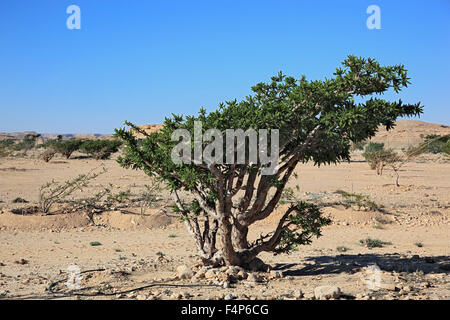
317, 121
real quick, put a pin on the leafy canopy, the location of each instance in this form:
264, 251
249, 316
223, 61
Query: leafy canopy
296, 107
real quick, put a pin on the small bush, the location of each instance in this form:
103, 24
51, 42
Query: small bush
95, 243
373, 243
67, 147
27, 143
53, 192
358, 145
48, 155
360, 200
19, 200
100, 149
437, 144
374, 147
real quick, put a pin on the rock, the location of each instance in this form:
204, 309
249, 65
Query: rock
21, 261
255, 277
276, 274
184, 272
131, 295
327, 292
226, 285
229, 297
175, 296
210, 274
258, 265
233, 271
141, 297
242, 275
200, 273
388, 286
298, 293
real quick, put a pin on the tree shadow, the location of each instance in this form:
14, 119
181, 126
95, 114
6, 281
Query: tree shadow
352, 263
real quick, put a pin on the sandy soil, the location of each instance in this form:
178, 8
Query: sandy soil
134, 249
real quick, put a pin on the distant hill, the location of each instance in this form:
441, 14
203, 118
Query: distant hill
406, 132
409, 132
21, 135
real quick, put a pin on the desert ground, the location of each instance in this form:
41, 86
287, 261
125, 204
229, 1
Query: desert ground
130, 252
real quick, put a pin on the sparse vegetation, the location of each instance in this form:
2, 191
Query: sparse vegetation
149, 196
67, 147
342, 249
54, 192
379, 158
358, 146
437, 144
19, 200
361, 201
48, 154
100, 149
373, 243
27, 143
95, 243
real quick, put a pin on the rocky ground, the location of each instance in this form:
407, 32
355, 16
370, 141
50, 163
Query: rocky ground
125, 254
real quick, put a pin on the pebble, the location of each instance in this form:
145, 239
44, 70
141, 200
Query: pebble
327, 292
229, 297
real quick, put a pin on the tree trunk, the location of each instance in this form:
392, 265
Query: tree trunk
229, 255
239, 236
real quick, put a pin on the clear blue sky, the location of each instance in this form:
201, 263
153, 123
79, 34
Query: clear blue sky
142, 60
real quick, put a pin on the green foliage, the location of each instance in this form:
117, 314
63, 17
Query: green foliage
437, 144
27, 143
374, 147
66, 147
446, 148
305, 222
95, 243
5, 147
360, 200
6, 144
100, 149
149, 196
373, 243
359, 145
54, 192
380, 157
295, 107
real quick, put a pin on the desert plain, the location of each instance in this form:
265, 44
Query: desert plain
131, 252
